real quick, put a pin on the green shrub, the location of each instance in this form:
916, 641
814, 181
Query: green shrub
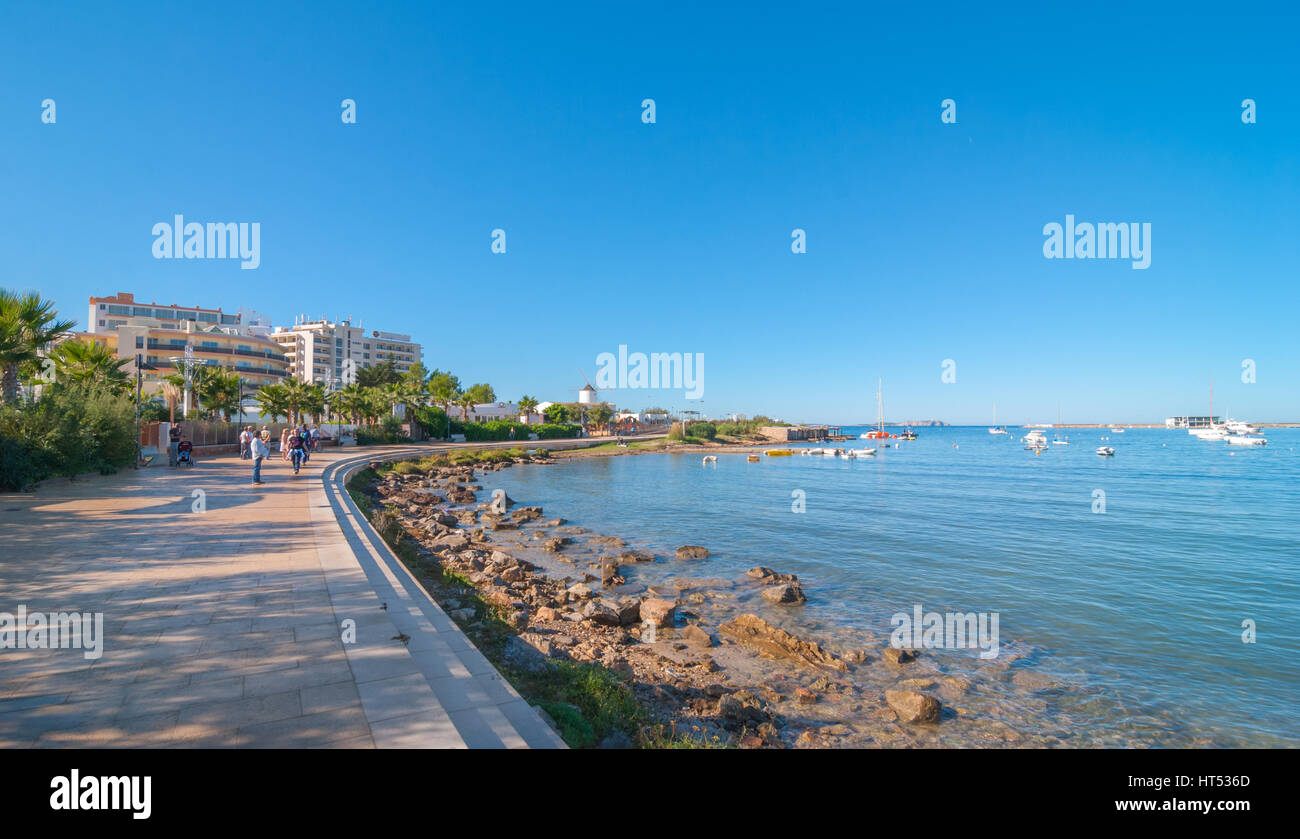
482, 432
433, 420
554, 431
706, 430
71, 430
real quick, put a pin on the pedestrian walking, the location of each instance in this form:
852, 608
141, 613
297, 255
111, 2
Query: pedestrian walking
245, 440
315, 438
174, 444
259, 452
297, 451
284, 443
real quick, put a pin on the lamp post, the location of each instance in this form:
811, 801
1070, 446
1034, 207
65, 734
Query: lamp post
186, 362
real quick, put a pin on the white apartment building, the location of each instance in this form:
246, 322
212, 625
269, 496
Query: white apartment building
320, 350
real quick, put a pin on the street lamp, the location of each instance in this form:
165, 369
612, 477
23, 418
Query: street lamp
186, 362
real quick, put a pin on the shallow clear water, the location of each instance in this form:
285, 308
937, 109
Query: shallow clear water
1140, 607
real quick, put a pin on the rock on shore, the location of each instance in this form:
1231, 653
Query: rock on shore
777, 643
913, 706
692, 552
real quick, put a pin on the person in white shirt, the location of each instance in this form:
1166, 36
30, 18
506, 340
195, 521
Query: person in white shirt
245, 438
260, 451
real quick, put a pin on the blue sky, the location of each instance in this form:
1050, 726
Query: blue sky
924, 239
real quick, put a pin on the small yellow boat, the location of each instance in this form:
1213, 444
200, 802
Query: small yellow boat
779, 452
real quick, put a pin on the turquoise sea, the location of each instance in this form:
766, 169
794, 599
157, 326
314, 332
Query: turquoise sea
1137, 610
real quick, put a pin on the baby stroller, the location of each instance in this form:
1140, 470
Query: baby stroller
185, 453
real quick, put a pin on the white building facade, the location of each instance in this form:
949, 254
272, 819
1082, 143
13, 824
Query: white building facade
332, 352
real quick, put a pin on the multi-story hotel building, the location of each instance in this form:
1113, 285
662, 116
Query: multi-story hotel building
160, 333
320, 351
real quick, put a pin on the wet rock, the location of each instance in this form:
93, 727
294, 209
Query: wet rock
777, 643
898, 655
804, 696
769, 577
658, 611
696, 637
784, 593
555, 543
913, 707
630, 557
692, 552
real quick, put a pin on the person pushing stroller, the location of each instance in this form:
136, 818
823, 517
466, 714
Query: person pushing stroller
297, 451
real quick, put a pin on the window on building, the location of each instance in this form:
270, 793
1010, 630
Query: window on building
119, 310
139, 342
208, 317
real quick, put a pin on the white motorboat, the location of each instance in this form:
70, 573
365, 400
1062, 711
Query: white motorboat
1063, 442
1212, 434
1238, 427
858, 453
1245, 440
1105, 451
1035, 440
709, 458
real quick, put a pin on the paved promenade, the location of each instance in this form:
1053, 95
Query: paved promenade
222, 620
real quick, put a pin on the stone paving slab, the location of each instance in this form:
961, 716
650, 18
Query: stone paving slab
222, 625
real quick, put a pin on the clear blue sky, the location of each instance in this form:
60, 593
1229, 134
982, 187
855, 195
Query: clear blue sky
924, 239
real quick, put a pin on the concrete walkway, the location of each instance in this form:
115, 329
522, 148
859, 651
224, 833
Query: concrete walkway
223, 619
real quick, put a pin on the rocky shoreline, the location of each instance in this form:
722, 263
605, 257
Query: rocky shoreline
697, 663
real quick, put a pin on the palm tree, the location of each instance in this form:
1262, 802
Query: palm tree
221, 389
466, 402
443, 389
313, 404
171, 394
79, 361
27, 323
527, 405
296, 394
350, 402
273, 401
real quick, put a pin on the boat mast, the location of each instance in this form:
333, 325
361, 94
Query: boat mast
880, 404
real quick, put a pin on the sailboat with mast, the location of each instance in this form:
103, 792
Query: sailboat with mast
880, 433
996, 429
1057, 439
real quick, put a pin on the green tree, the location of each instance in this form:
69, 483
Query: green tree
558, 414
27, 323
88, 363
599, 416
527, 405
444, 389
383, 373
273, 401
